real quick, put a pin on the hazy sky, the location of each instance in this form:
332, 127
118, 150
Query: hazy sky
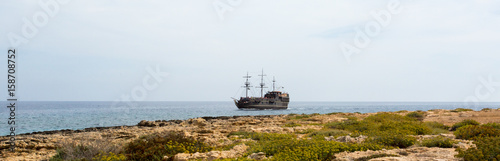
319, 50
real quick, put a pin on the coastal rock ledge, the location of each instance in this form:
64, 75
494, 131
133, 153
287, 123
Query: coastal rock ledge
234, 136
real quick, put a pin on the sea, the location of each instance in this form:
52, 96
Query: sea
31, 116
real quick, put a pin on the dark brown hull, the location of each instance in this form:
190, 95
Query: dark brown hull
261, 104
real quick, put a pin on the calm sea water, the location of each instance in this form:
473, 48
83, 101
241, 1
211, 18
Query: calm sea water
43, 116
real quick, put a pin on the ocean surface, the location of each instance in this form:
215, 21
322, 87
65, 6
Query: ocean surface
44, 116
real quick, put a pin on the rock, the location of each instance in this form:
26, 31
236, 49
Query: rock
413, 154
464, 145
213, 155
198, 122
182, 157
433, 115
240, 149
236, 152
330, 138
146, 123
347, 139
387, 159
464, 115
451, 136
257, 156
198, 155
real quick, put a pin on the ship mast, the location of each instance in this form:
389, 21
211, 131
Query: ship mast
247, 84
262, 84
274, 81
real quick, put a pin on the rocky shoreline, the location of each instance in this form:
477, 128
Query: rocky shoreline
214, 131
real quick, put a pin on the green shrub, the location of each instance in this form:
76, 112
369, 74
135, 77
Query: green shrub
493, 125
472, 132
486, 109
437, 128
292, 124
155, 146
382, 122
435, 124
487, 148
289, 147
351, 118
350, 125
416, 115
297, 117
237, 133
394, 139
461, 110
463, 123
268, 136
375, 156
314, 114
305, 131
440, 141
307, 149
328, 132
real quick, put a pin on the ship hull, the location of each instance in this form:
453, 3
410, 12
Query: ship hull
250, 106
261, 104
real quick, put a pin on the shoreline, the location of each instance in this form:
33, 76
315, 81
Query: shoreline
100, 128
215, 130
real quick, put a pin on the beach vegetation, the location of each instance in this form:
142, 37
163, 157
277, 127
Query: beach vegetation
473, 132
382, 122
334, 113
110, 157
297, 117
416, 115
288, 147
463, 123
486, 149
328, 132
305, 131
461, 110
156, 146
493, 125
486, 109
439, 141
85, 149
375, 156
238, 133
401, 111
394, 139
436, 127
292, 124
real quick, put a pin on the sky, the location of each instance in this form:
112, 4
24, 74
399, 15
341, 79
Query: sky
319, 50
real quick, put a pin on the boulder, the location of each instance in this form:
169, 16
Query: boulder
257, 156
146, 123
347, 139
198, 122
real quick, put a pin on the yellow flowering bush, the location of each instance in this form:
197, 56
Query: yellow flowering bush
110, 157
154, 147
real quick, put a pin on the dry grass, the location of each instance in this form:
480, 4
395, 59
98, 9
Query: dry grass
86, 148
